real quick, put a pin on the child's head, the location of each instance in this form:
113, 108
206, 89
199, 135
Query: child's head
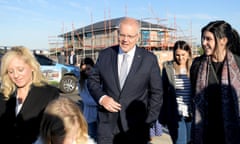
63, 123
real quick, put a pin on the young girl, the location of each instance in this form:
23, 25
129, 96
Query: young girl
64, 123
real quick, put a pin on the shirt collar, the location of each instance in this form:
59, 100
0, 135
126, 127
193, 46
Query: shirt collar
130, 53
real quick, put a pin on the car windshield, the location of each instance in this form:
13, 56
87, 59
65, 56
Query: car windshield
43, 60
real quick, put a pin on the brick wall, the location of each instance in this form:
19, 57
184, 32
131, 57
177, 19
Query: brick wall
163, 56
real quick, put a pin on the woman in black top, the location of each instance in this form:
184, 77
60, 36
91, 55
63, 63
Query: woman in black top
215, 80
24, 96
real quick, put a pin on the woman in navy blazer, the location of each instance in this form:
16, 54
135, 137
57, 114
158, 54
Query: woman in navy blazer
125, 114
24, 96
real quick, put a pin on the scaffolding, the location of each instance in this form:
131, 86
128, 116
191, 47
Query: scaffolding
89, 40
156, 38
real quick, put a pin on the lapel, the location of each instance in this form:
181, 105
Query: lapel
27, 105
114, 63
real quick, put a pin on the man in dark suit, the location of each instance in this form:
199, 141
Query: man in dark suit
126, 113
72, 58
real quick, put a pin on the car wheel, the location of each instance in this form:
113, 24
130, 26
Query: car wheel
68, 84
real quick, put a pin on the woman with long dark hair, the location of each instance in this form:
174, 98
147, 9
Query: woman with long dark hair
215, 79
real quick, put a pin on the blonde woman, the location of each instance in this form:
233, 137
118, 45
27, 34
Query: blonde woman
24, 95
64, 123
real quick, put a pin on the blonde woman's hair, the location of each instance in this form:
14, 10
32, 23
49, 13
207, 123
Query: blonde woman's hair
60, 117
23, 53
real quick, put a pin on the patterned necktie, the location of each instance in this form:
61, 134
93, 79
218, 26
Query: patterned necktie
123, 70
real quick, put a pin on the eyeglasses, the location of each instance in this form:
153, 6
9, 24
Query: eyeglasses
131, 37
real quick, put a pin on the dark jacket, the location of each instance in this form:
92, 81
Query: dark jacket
74, 60
222, 105
140, 97
24, 128
169, 115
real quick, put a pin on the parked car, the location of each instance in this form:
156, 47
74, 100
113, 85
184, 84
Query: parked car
65, 77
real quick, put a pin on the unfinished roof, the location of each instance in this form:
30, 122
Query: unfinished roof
113, 24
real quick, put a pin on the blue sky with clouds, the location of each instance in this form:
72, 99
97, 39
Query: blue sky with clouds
32, 22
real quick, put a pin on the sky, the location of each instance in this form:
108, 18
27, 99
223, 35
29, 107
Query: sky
35, 23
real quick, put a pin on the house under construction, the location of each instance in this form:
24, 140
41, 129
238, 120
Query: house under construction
89, 40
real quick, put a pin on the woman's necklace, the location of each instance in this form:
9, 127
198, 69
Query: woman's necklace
21, 95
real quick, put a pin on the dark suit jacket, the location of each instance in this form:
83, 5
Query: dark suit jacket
74, 60
140, 97
24, 128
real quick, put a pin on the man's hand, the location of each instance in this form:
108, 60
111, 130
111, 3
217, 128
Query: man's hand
110, 104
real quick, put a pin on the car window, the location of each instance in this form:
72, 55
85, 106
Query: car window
43, 60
